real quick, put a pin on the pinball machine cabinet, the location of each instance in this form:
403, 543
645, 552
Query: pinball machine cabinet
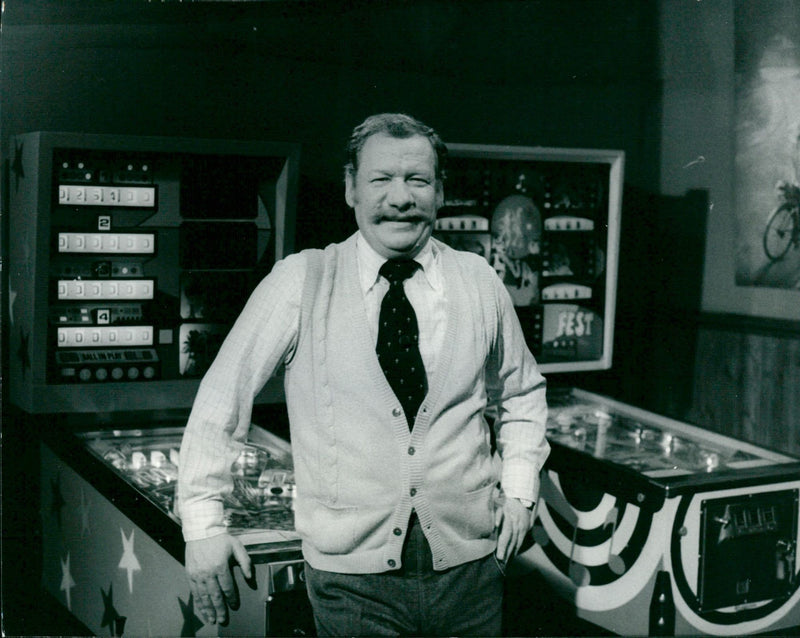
130, 258
652, 526
113, 550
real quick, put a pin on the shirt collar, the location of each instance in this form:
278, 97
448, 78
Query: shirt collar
370, 262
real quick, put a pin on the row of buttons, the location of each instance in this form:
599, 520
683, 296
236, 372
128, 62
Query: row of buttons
105, 289
568, 223
396, 412
566, 291
139, 243
138, 196
398, 531
464, 222
69, 337
115, 374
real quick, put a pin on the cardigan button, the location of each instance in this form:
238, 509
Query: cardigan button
391, 562
397, 412
413, 491
411, 451
398, 531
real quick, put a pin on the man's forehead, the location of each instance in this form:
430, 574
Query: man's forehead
381, 146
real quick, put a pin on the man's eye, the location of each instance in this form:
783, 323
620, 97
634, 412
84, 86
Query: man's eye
420, 180
379, 180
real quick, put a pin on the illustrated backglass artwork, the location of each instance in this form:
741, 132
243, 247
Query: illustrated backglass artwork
547, 220
200, 343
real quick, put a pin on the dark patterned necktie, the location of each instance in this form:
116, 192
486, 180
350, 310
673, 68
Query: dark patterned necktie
398, 339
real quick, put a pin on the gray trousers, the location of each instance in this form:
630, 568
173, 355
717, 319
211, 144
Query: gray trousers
414, 600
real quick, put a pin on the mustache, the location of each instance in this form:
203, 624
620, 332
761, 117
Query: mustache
411, 217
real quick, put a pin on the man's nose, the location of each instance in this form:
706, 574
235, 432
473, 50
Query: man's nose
399, 195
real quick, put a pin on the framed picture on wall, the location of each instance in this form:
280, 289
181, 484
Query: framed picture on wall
767, 126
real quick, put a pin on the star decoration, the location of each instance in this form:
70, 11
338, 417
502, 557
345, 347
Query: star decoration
67, 583
85, 507
58, 501
110, 614
119, 625
22, 352
191, 623
16, 165
129, 561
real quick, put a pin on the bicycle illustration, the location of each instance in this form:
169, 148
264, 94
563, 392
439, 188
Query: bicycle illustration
783, 224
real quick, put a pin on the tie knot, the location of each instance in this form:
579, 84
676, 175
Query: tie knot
398, 270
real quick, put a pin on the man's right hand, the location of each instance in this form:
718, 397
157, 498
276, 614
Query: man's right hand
210, 577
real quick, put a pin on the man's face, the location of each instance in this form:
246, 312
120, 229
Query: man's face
395, 194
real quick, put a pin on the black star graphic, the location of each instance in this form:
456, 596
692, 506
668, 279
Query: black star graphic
110, 614
191, 623
22, 352
16, 166
119, 625
58, 500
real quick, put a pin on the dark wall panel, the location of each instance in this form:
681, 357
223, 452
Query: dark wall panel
572, 73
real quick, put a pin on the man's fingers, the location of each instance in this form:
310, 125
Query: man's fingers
503, 541
242, 557
208, 565
519, 542
203, 601
228, 587
218, 600
515, 522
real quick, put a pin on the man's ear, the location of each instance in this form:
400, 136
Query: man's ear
349, 189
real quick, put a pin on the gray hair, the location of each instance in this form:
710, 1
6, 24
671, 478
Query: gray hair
397, 125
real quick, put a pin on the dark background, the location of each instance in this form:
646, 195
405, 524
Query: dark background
575, 73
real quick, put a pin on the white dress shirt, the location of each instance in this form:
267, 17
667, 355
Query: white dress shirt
425, 292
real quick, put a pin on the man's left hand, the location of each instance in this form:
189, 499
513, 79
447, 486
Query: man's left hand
514, 521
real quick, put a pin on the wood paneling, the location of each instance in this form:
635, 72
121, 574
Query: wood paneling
747, 385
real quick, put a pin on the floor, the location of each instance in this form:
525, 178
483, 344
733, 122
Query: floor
531, 609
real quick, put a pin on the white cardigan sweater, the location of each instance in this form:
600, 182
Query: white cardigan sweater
358, 469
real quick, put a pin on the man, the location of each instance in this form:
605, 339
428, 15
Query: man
406, 518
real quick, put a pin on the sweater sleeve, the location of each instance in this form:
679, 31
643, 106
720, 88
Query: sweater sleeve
517, 391
262, 338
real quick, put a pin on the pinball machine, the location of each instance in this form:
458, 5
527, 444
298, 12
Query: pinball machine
131, 257
645, 525
653, 526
